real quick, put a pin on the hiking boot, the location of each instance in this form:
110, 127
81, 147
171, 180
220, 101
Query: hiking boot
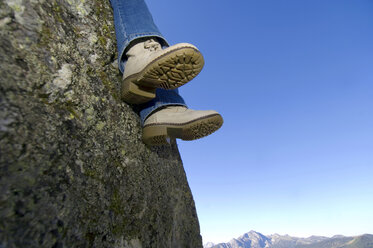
179, 122
149, 67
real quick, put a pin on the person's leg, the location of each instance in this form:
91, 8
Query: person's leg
132, 20
146, 61
152, 72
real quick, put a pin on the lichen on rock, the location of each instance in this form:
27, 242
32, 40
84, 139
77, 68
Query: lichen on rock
74, 171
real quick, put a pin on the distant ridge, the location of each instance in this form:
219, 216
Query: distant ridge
254, 239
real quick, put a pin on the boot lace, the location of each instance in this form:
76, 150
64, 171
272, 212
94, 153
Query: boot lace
152, 45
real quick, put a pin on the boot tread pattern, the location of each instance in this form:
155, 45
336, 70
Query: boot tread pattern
157, 134
169, 71
174, 70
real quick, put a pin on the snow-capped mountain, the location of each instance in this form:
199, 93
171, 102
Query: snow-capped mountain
254, 239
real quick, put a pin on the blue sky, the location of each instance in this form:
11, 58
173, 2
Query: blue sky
293, 80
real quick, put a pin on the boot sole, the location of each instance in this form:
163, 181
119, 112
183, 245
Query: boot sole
168, 71
159, 134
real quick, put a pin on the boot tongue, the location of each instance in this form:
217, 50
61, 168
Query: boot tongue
152, 45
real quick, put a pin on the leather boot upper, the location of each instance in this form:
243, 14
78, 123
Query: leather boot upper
177, 115
139, 56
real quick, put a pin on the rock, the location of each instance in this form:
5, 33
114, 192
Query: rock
74, 171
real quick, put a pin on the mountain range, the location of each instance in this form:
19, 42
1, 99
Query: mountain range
254, 239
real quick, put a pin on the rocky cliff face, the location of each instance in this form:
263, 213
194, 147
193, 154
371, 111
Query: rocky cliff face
74, 172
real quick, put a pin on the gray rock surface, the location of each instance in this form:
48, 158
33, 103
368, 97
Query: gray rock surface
73, 169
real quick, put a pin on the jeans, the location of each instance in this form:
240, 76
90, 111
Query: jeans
132, 20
